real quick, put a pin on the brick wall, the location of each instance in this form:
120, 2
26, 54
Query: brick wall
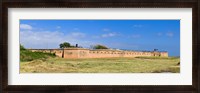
98, 53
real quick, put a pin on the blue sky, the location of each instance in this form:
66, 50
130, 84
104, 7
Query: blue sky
163, 35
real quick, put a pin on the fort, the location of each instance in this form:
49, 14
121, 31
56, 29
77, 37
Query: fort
99, 53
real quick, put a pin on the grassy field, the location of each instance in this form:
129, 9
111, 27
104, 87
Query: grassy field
102, 65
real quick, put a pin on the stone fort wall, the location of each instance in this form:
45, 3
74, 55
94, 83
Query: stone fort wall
98, 53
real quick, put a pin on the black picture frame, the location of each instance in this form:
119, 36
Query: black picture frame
194, 88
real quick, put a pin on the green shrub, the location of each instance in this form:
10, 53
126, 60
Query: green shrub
22, 47
100, 47
26, 55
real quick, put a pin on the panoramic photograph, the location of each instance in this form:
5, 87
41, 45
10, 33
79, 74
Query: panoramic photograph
99, 46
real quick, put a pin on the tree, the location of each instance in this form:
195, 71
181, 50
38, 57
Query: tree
100, 47
65, 45
22, 47
155, 50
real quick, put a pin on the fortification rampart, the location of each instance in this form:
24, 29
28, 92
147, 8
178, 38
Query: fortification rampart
98, 53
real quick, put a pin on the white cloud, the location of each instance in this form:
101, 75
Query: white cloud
51, 39
45, 39
109, 35
25, 26
169, 34
78, 34
96, 37
137, 26
58, 27
106, 35
106, 29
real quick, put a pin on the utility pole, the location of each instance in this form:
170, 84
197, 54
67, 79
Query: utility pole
63, 53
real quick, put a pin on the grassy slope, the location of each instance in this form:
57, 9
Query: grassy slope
104, 65
26, 55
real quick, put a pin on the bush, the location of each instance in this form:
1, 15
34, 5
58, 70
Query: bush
100, 47
22, 47
26, 55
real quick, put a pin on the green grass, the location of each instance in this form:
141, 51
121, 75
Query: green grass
26, 55
102, 65
155, 57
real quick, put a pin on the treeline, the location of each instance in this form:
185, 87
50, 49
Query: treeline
68, 45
